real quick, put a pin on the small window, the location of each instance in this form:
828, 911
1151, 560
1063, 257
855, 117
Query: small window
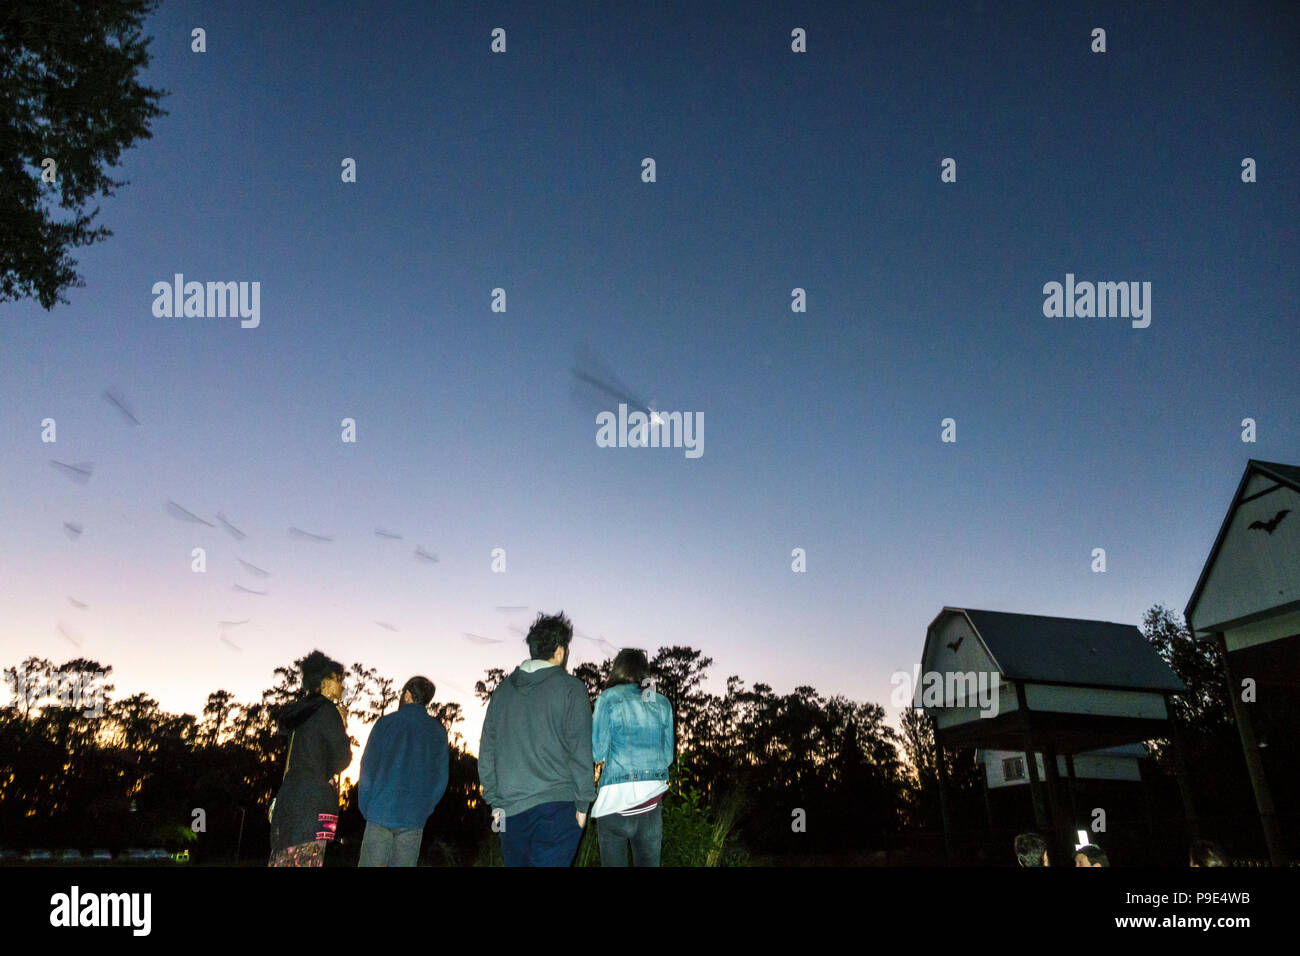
1013, 768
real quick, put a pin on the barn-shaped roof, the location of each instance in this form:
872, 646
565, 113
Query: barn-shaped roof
1064, 650
1287, 476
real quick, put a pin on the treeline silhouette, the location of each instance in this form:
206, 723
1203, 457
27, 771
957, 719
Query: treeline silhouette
758, 774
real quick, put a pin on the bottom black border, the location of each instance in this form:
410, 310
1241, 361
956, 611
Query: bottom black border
213, 904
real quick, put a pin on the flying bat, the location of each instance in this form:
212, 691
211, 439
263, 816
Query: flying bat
113, 397
957, 643
459, 690
603, 644
253, 569
425, 555
75, 603
299, 533
228, 641
72, 530
233, 623
184, 514
240, 587
388, 534
386, 626
80, 473
1272, 523
599, 378
479, 639
234, 532
66, 633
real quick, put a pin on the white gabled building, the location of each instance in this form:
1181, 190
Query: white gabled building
1065, 689
1247, 600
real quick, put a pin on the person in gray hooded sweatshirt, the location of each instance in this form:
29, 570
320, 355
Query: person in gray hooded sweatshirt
534, 758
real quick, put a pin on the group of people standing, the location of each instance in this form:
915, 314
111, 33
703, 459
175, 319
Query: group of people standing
546, 762
1031, 850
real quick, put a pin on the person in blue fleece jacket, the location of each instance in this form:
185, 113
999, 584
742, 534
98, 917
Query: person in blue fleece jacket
403, 776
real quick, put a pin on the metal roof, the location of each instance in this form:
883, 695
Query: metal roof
1288, 475
1065, 650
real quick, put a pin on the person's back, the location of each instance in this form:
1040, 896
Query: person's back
632, 740
403, 776
535, 714
535, 753
307, 804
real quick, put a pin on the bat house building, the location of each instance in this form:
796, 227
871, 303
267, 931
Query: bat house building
1054, 688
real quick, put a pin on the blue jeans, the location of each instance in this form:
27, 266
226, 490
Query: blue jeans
545, 835
643, 834
386, 846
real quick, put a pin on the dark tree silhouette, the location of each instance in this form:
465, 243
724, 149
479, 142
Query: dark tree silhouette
215, 714
483, 689
1198, 664
68, 94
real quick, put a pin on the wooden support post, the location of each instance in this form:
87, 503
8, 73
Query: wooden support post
1254, 765
1054, 802
1152, 853
1070, 788
1031, 764
988, 804
941, 766
1036, 788
1180, 773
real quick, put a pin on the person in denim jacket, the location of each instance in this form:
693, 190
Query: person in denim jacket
632, 742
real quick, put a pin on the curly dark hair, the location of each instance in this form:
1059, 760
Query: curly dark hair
317, 667
1030, 848
548, 632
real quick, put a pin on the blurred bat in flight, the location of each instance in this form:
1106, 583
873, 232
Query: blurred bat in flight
184, 514
114, 398
594, 379
80, 472
234, 532
253, 569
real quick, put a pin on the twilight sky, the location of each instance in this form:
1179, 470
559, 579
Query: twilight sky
775, 170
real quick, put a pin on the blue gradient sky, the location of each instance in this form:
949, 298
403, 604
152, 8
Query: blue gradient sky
822, 430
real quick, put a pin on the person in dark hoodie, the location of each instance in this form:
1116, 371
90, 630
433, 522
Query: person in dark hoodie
403, 776
534, 758
305, 813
